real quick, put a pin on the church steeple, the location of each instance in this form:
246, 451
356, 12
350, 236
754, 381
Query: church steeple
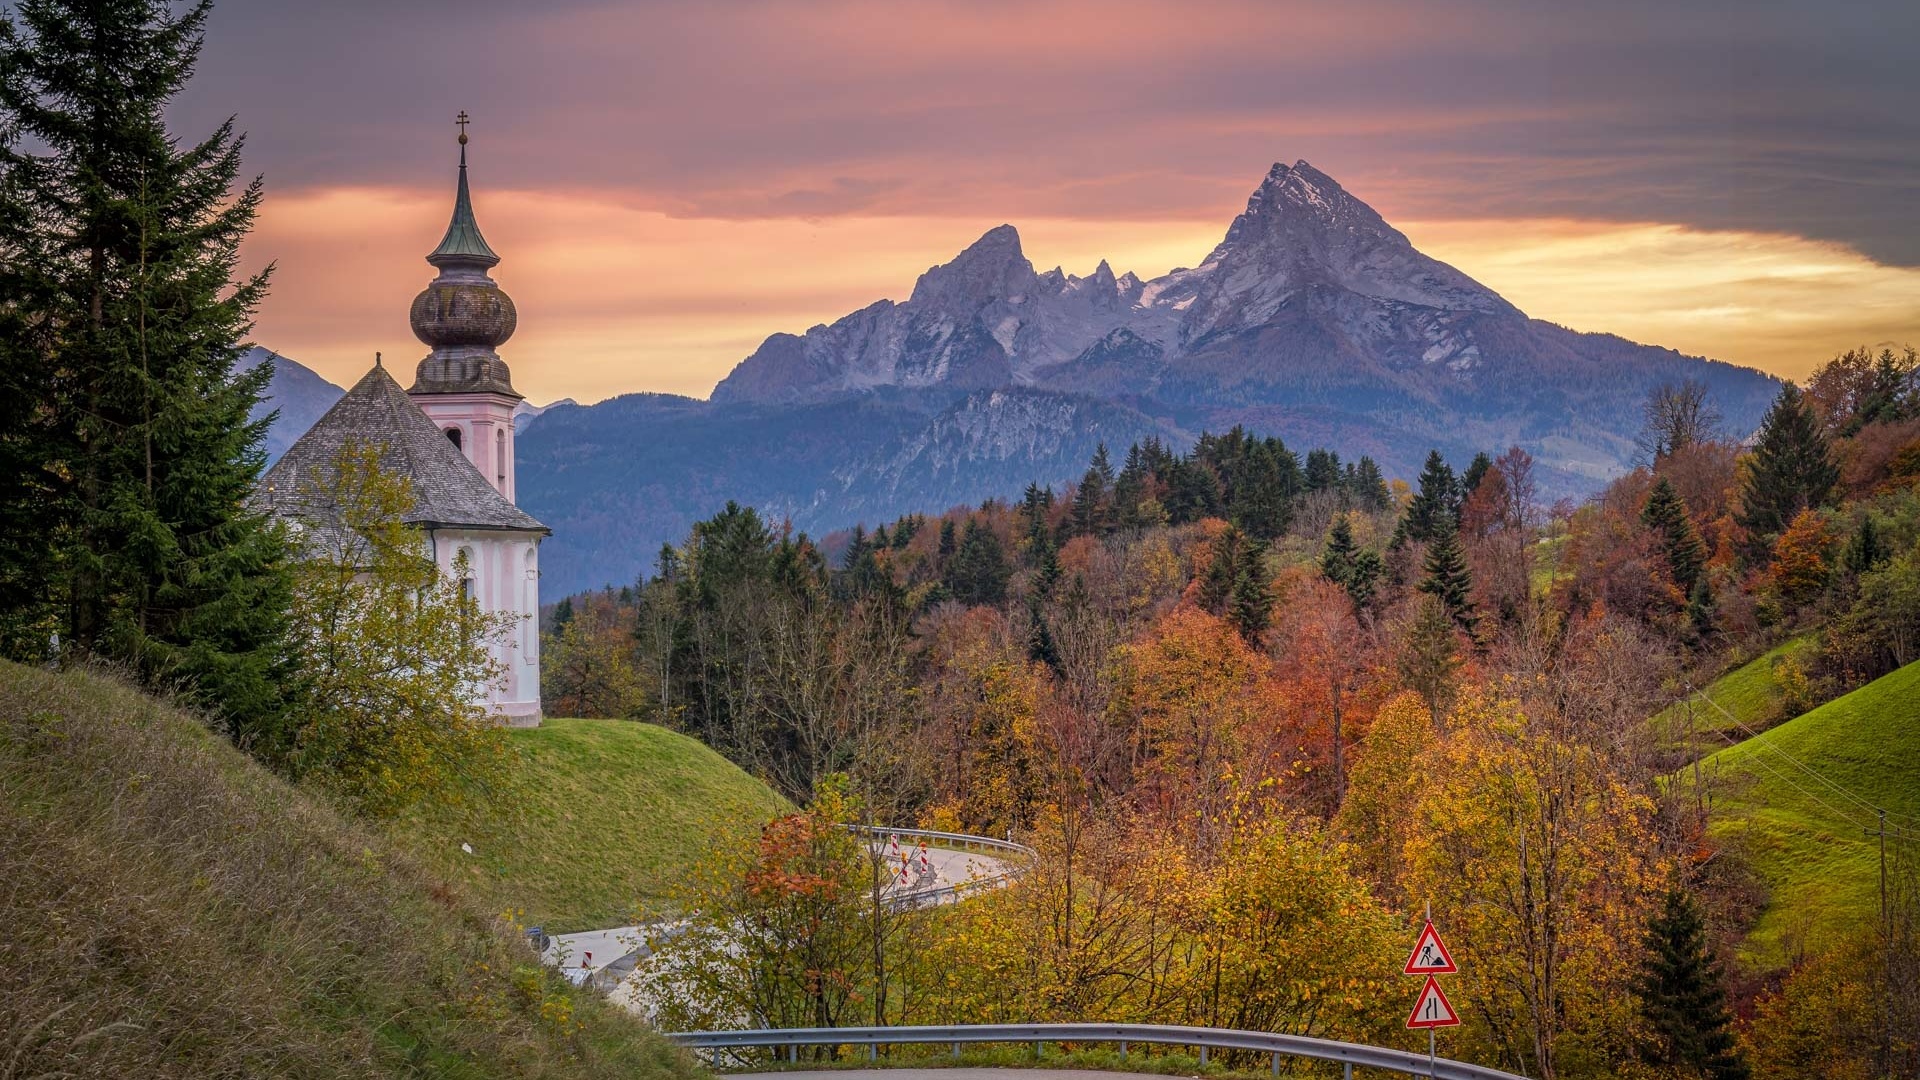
463, 242
463, 315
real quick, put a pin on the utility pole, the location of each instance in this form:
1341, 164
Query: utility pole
1886, 954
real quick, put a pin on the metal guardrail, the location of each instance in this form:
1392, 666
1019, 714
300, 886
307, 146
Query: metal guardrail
1020, 855
963, 841
1345, 1053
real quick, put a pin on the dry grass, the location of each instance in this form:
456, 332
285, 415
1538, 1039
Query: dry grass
167, 908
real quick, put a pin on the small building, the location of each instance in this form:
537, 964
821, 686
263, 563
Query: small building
450, 434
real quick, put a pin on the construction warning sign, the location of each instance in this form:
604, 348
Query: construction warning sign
1430, 956
1432, 1009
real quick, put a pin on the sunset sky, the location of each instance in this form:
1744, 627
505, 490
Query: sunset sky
669, 183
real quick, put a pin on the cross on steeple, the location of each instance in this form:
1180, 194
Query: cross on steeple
462, 121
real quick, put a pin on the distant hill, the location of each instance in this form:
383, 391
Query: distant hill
616, 812
301, 396
1807, 837
173, 910
1313, 319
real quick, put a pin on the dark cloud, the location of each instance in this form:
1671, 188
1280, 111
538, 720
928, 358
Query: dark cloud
1800, 118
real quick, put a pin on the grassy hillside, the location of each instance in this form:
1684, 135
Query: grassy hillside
1750, 694
613, 812
170, 909
1822, 868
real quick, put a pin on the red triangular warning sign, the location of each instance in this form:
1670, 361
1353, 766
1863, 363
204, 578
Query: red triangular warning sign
1430, 956
1432, 1009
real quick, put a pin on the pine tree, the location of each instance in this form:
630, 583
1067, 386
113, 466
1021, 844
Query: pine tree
1261, 507
1092, 503
1350, 566
1437, 501
1370, 487
1790, 470
1193, 492
1865, 551
1681, 996
943, 552
1323, 470
144, 470
1336, 562
1447, 578
1130, 490
1250, 608
1667, 516
979, 571
1223, 571
1429, 656
1477, 471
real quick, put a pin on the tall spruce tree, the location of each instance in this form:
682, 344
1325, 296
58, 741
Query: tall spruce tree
1351, 566
1437, 502
1790, 470
1447, 577
1680, 542
1370, 487
142, 472
1250, 607
1681, 996
1093, 502
979, 571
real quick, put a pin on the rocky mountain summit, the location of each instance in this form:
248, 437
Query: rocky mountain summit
1303, 246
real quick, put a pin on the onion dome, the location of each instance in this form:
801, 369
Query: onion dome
462, 315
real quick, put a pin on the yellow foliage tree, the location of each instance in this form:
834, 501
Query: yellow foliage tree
1540, 863
392, 653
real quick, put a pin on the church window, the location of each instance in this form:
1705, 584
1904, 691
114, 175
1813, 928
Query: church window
453, 436
500, 457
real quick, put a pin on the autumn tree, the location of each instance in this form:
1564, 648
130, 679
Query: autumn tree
781, 934
1375, 813
1799, 569
1541, 861
587, 664
391, 652
1675, 417
1196, 696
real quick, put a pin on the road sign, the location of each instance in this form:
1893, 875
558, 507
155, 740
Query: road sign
1430, 956
1432, 1009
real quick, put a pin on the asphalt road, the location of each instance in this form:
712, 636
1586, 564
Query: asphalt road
581, 955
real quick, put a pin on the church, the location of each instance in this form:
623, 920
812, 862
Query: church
450, 434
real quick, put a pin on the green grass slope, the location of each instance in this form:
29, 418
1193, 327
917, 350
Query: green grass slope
170, 909
1807, 840
1750, 695
612, 815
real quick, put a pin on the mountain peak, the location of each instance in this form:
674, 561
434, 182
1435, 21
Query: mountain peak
1302, 230
992, 267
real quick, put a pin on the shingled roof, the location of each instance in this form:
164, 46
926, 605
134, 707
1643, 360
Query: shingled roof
448, 492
